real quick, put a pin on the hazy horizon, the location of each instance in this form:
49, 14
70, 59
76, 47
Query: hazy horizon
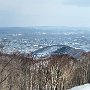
28, 13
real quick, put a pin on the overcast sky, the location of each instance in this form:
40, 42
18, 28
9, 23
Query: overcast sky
74, 13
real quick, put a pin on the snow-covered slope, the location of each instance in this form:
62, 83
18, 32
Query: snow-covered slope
46, 51
57, 50
82, 87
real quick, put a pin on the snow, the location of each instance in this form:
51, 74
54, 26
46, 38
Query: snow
82, 87
46, 51
55, 50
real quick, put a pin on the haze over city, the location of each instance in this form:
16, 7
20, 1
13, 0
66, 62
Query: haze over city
23, 13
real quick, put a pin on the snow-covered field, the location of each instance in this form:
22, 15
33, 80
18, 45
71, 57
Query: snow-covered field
82, 87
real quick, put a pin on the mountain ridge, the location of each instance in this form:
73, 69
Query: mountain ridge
57, 50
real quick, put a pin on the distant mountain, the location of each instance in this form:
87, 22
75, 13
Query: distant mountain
57, 50
10, 30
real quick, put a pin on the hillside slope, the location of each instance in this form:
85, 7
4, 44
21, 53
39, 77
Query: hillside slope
57, 50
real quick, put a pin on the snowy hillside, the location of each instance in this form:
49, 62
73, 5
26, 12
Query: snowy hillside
82, 87
57, 50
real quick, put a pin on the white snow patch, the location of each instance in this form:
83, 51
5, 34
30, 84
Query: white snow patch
82, 87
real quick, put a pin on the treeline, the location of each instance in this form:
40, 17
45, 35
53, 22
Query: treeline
61, 72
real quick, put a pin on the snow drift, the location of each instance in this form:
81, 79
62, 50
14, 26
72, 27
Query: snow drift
82, 87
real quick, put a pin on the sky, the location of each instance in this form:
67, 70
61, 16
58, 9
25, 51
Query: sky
26, 13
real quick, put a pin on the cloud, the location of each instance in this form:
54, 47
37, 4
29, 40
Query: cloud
44, 12
14, 12
81, 3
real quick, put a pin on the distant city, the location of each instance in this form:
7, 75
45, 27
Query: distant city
27, 40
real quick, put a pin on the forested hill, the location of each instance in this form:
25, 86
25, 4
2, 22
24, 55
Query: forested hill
58, 72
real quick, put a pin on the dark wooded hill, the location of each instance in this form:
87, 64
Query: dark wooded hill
58, 72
